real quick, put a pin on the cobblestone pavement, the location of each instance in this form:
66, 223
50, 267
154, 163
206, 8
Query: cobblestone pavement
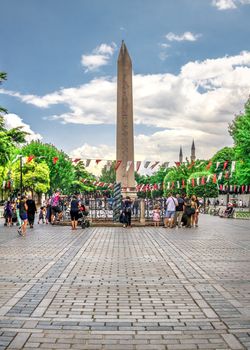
114, 288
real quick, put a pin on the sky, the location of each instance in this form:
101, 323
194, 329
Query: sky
191, 72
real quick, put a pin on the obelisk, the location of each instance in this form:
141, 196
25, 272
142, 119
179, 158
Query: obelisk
125, 125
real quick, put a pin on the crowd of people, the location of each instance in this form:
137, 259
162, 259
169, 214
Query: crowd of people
173, 211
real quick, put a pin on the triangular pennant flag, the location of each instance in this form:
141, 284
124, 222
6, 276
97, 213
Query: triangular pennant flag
225, 164
220, 176
217, 165
214, 179
97, 161
226, 175
55, 160
154, 165
168, 187
193, 184
221, 187
177, 164
198, 181
108, 165
30, 158
88, 162
231, 188
129, 162
243, 188
183, 183
117, 164
172, 185
209, 165
178, 184
203, 180
191, 165
233, 166
165, 165
76, 160
146, 164
208, 178
138, 164
16, 158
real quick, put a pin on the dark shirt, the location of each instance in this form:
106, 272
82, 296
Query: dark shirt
31, 206
180, 205
74, 205
22, 209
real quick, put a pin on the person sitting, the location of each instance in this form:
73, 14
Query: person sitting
228, 211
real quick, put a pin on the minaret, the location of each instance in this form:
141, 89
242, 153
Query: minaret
180, 156
193, 152
125, 126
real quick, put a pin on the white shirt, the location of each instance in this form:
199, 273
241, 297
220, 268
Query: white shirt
171, 203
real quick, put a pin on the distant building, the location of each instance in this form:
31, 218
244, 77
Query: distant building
192, 157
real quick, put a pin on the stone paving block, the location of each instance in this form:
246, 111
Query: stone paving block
19, 341
144, 287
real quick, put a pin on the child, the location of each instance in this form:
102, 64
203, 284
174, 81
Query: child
156, 216
41, 215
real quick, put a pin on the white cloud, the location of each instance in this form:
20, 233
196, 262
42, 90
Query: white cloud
229, 4
198, 103
99, 57
187, 36
13, 121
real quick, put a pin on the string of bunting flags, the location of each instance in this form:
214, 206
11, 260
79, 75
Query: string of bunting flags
146, 164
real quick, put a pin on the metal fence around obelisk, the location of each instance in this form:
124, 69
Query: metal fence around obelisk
117, 205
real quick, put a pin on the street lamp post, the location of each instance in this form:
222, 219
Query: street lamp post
21, 175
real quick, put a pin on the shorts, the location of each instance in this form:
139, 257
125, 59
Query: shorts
55, 210
24, 216
169, 214
74, 215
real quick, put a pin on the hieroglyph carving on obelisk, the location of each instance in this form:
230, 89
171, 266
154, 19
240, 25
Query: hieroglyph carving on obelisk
125, 126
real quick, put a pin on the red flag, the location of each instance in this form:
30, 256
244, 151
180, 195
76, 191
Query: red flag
29, 159
214, 179
155, 187
193, 184
177, 164
154, 165
225, 164
203, 180
172, 185
76, 160
209, 165
97, 161
118, 163
183, 183
191, 165
226, 175
221, 187
243, 188
55, 159
235, 188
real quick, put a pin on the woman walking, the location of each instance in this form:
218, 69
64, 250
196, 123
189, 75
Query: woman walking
23, 215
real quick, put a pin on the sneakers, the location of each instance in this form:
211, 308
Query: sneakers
19, 231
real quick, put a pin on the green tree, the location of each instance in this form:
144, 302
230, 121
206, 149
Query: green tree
35, 177
9, 139
108, 174
60, 166
239, 130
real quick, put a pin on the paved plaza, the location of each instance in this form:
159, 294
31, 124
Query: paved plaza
114, 288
